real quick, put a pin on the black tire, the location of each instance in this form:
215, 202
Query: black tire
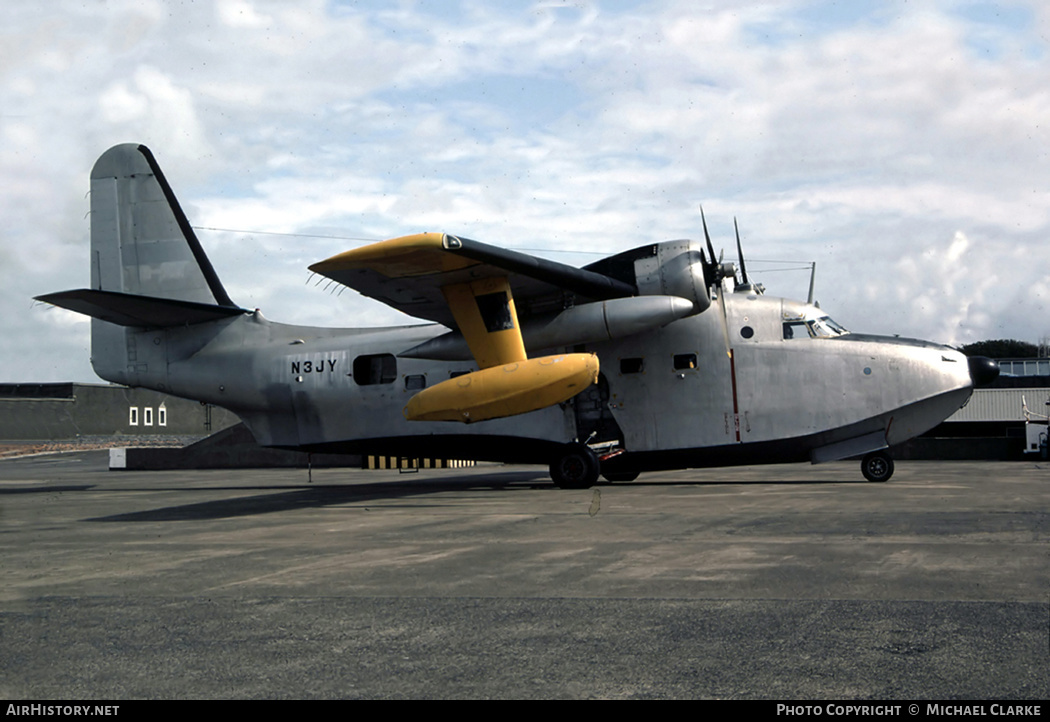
576, 468
620, 475
877, 466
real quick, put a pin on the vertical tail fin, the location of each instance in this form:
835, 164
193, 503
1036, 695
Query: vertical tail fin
141, 241
148, 270
142, 245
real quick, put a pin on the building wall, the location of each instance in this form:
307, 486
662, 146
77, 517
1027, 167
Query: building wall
1001, 404
68, 411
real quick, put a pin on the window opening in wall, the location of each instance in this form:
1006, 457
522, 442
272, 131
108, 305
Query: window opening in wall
684, 361
133, 416
632, 365
378, 368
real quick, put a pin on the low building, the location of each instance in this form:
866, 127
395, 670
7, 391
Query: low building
992, 423
59, 411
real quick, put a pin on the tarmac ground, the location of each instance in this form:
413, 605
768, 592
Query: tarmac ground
777, 582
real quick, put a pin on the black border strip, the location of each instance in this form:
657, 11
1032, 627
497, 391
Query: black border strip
585, 283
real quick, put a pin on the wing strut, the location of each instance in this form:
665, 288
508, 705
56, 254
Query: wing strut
507, 382
484, 311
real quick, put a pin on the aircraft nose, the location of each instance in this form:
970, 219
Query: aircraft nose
983, 370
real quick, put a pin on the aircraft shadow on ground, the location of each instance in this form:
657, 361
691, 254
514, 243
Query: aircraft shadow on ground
289, 498
43, 489
286, 498
735, 482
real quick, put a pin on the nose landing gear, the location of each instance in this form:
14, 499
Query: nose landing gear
877, 466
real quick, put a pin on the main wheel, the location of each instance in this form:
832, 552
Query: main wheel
576, 468
877, 466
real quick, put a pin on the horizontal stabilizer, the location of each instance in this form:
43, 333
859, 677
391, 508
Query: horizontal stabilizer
126, 309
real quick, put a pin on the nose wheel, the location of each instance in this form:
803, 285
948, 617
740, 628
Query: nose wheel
576, 468
877, 466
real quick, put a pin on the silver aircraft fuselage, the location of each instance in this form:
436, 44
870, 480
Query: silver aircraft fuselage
680, 364
751, 380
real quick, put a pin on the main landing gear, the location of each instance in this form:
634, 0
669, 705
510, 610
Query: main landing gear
877, 466
577, 467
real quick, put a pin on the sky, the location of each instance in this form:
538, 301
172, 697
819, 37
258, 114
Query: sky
901, 146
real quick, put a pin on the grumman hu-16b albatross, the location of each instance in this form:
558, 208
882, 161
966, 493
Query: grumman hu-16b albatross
654, 358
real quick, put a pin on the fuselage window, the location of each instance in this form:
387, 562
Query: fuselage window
415, 382
684, 361
795, 329
631, 365
380, 368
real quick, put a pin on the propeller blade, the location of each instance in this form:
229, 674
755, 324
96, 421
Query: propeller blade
812, 280
707, 236
711, 274
740, 254
721, 296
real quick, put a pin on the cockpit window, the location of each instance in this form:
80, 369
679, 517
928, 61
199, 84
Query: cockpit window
822, 327
827, 327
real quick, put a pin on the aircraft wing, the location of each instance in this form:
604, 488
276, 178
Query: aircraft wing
410, 273
477, 289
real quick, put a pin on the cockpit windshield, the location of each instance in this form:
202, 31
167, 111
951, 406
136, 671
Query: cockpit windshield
822, 327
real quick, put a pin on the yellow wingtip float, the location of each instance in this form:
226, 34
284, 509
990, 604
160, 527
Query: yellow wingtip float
507, 390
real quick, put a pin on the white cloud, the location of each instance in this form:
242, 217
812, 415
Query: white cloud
241, 14
888, 146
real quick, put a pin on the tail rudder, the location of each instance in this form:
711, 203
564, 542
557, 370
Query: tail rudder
148, 270
141, 241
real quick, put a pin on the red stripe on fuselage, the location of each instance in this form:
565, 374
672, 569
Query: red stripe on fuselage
736, 408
